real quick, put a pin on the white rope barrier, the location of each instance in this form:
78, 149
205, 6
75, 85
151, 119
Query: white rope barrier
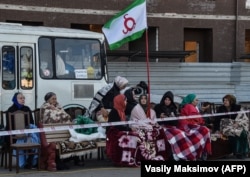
106, 124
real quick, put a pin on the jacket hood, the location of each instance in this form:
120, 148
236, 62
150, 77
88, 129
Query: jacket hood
169, 95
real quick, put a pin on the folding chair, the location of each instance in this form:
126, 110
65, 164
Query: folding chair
18, 121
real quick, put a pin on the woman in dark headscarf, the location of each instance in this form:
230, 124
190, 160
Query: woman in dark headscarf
167, 108
19, 104
131, 102
189, 140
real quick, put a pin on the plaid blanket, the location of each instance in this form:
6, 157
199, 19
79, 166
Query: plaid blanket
189, 143
130, 148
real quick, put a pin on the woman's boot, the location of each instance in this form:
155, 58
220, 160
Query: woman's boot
51, 157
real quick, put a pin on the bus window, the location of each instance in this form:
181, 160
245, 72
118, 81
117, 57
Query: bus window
73, 58
77, 58
8, 71
26, 67
45, 55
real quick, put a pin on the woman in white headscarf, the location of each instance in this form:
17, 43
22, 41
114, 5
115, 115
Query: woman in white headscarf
102, 102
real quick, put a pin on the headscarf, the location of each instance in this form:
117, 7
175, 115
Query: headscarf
48, 96
144, 106
131, 102
119, 105
188, 99
14, 100
169, 95
121, 81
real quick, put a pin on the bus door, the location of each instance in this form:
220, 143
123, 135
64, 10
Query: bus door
17, 73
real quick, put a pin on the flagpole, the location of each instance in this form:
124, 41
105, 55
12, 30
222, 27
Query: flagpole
147, 59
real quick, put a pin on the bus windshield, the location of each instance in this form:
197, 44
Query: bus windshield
67, 58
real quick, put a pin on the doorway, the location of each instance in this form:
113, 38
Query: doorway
199, 40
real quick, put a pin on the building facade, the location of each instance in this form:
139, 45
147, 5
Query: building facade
218, 30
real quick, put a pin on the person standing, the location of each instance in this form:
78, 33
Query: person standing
102, 102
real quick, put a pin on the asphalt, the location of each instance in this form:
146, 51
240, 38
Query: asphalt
91, 168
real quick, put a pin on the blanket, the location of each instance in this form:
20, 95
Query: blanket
128, 148
189, 144
80, 144
70, 149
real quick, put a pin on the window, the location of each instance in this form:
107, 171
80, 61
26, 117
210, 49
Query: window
45, 55
8, 72
72, 58
26, 67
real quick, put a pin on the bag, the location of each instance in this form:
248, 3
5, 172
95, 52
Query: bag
85, 120
227, 127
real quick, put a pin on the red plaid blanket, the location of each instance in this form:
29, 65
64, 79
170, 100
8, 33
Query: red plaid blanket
189, 143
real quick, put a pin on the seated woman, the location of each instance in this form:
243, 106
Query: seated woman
143, 115
19, 104
167, 108
52, 112
152, 144
120, 141
117, 114
196, 137
131, 102
234, 126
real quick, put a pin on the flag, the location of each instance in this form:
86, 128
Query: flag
127, 25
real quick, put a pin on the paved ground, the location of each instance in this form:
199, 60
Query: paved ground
92, 168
